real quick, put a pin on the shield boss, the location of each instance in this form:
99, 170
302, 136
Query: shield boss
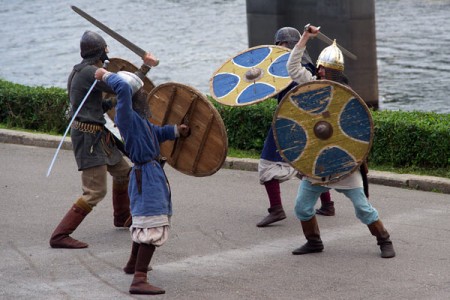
323, 129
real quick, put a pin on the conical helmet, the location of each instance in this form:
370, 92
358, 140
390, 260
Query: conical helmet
331, 57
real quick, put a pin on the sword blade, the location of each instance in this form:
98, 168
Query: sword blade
68, 127
133, 47
329, 41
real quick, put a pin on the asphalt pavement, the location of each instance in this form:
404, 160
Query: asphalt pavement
215, 250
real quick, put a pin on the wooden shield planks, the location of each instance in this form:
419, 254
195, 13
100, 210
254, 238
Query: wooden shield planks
203, 152
119, 64
323, 129
252, 76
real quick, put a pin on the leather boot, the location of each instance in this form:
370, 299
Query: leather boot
327, 207
131, 264
60, 237
140, 285
377, 229
121, 204
276, 214
314, 243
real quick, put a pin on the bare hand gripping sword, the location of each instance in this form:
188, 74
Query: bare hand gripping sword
105, 65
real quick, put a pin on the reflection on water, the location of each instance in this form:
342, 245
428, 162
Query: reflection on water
39, 43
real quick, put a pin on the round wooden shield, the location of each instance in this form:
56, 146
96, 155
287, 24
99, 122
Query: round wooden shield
119, 64
203, 152
251, 76
323, 129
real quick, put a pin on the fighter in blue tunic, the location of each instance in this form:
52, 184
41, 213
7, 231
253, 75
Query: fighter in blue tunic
151, 206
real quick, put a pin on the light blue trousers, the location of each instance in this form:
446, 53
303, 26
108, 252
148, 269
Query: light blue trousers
308, 195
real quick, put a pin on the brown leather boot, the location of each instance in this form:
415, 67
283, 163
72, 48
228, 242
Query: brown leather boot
326, 209
276, 214
377, 229
140, 285
121, 204
131, 264
314, 243
60, 237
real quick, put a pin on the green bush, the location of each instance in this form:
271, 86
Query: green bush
411, 139
247, 126
401, 139
34, 108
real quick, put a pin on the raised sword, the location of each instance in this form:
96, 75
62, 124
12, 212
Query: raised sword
133, 47
329, 41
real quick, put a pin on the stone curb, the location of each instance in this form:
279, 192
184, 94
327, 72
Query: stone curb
423, 183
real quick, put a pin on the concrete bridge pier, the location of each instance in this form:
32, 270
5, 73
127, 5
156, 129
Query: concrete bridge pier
350, 22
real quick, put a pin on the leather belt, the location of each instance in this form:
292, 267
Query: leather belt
86, 127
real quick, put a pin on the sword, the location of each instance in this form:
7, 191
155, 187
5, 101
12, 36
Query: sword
133, 47
329, 41
105, 65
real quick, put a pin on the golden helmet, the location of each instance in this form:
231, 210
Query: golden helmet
331, 57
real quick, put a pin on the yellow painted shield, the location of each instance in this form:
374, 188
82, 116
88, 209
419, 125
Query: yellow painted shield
323, 129
251, 76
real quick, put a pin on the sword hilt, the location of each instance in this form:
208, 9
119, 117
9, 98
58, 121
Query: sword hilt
308, 28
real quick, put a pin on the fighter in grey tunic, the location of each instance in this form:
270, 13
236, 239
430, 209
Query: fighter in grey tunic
94, 147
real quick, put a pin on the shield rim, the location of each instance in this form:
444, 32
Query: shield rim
360, 100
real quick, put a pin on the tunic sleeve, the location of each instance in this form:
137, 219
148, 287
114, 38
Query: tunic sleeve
164, 133
296, 70
124, 107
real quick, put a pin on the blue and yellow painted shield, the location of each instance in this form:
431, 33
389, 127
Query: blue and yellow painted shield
251, 76
323, 129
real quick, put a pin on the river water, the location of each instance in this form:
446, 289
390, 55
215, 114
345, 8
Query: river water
192, 39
